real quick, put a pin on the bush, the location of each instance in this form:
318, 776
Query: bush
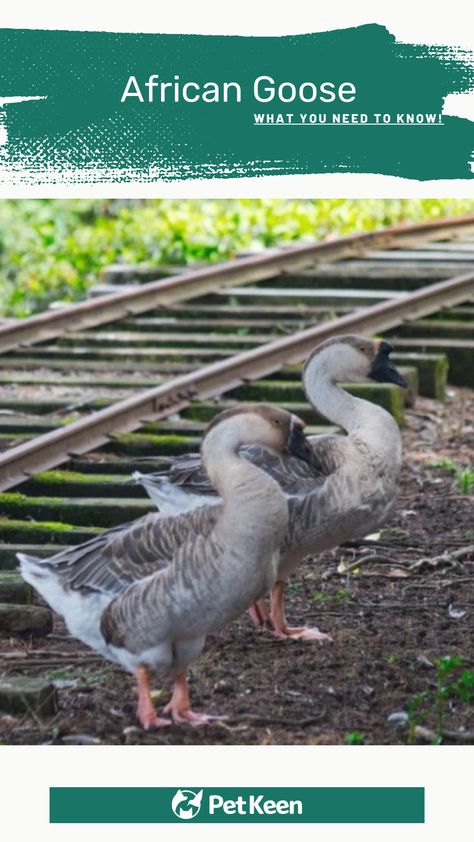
54, 249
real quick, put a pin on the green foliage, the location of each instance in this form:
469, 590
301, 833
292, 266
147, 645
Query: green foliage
343, 595
54, 249
464, 476
354, 738
445, 464
391, 659
417, 713
293, 587
465, 480
454, 682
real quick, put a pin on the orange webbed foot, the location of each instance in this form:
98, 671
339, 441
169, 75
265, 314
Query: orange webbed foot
280, 627
150, 719
300, 633
189, 716
179, 705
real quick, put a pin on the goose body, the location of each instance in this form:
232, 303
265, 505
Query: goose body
145, 595
348, 488
355, 499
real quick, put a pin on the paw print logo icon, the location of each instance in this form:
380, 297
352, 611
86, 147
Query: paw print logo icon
186, 803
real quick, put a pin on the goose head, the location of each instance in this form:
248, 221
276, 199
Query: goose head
354, 359
273, 428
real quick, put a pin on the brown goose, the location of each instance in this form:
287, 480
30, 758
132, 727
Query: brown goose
145, 595
348, 488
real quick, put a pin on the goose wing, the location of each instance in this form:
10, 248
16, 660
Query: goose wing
125, 554
293, 475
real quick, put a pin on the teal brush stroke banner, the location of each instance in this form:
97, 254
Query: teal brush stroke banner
81, 132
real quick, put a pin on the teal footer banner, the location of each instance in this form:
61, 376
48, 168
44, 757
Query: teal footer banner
331, 805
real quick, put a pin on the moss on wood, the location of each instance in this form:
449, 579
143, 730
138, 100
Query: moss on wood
25, 620
22, 531
13, 588
81, 511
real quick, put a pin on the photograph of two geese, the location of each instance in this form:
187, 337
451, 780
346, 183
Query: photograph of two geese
231, 527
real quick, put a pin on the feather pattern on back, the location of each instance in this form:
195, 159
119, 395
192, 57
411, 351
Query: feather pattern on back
110, 562
293, 475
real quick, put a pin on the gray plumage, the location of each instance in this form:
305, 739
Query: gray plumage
350, 487
147, 593
292, 475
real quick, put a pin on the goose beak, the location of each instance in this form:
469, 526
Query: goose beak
298, 444
382, 369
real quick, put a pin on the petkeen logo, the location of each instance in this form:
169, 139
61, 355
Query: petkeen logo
186, 804
227, 805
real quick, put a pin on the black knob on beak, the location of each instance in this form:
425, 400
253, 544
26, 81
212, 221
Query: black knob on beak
382, 369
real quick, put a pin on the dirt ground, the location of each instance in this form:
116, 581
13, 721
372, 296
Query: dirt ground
392, 617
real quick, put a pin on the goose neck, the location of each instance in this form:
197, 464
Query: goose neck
330, 400
363, 420
230, 474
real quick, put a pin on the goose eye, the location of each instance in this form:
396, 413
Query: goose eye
361, 349
277, 422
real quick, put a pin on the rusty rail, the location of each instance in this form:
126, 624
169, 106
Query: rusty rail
192, 284
54, 448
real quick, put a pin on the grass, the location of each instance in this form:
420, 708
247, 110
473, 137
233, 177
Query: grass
81, 675
444, 463
342, 595
391, 659
454, 684
465, 480
463, 475
354, 738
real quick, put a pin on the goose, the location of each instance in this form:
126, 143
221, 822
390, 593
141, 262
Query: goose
146, 594
346, 491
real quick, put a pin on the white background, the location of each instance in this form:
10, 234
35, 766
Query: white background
27, 772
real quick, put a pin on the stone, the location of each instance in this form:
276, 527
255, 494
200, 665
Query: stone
13, 588
20, 695
25, 620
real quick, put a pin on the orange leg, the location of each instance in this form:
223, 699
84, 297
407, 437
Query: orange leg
146, 710
179, 705
281, 629
259, 613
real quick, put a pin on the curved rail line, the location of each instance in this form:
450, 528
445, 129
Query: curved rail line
95, 387
192, 284
54, 448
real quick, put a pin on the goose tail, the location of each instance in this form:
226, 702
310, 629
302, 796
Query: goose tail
36, 572
170, 499
30, 565
43, 578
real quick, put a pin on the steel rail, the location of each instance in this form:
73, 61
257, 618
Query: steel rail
53, 448
192, 284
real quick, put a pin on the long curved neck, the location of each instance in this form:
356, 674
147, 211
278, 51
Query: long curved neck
362, 419
330, 400
250, 495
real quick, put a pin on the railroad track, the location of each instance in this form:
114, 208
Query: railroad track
88, 390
